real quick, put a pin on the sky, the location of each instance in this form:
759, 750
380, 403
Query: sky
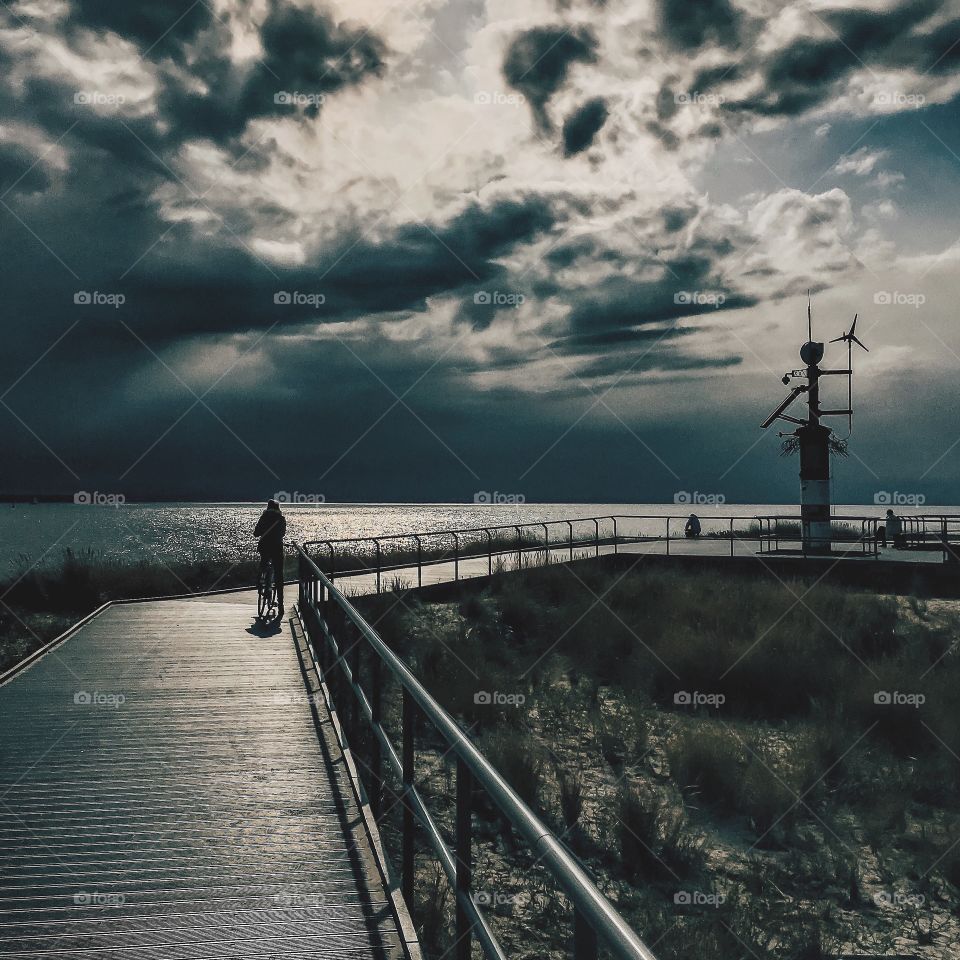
413, 251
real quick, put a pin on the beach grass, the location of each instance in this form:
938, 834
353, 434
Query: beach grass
748, 766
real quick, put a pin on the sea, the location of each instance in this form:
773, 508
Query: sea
41, 533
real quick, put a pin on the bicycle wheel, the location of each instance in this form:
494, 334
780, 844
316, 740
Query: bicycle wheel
266, 591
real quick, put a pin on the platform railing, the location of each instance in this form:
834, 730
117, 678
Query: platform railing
355, 663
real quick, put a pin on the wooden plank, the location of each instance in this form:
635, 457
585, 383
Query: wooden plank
163, 794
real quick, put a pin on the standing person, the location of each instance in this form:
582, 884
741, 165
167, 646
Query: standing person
692, 526
271, 529
895, 530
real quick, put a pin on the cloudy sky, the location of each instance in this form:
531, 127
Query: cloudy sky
414, 250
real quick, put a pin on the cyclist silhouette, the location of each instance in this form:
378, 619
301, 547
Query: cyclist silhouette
271, 528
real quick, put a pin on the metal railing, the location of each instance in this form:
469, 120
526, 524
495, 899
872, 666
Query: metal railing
355, 662
550, 540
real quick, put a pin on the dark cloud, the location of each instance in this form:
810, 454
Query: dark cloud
684, 286
601, 342
583, 125
159, 26
20, 171
624, 362
806, 72
689, 24
538, 60
223, 291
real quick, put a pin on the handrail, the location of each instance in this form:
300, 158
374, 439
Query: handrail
594, 917
931, 531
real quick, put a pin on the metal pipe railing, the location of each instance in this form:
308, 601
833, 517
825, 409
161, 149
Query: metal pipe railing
936, 531
327, 613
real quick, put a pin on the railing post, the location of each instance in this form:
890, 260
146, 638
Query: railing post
584, 938
486, 530
546, 544
519, 549
616, 547
456, 557
570, 530
596, 535
464, 855
332, 573
407, 852
419, 560
731, 536
668, 536
376, 761
376, 544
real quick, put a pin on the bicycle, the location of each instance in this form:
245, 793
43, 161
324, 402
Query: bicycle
266, 590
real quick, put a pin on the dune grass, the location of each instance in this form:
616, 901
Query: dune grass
38, 602
754, 744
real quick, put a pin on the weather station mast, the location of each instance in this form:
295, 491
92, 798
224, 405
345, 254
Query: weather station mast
815, 441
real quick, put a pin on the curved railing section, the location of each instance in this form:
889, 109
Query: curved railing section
354, 663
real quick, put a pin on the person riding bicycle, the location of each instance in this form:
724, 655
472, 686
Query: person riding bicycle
271, 528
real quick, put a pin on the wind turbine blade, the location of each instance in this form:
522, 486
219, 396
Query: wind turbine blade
853, 329
838, 339
858, 343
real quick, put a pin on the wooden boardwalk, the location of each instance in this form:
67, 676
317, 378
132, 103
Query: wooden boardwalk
164, 795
